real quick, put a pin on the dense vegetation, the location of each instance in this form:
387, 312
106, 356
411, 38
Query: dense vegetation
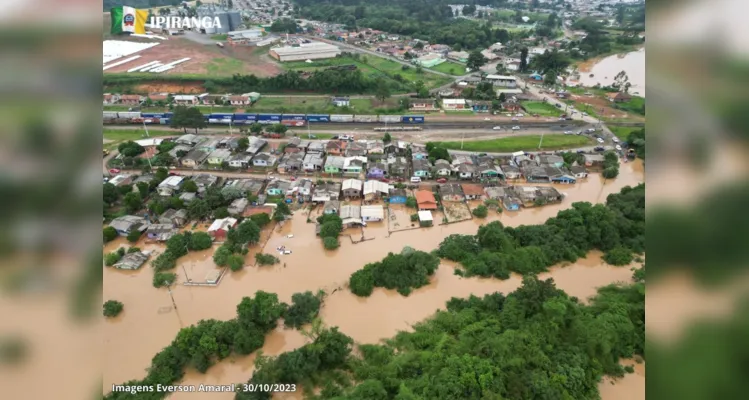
610, 165
636, 141
303, 309
535, 343
112, 308
200, 345
266, 259
617, 228
331, 227
405, 271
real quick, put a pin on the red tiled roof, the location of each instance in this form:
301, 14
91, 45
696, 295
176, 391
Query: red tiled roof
472, 190
425, 199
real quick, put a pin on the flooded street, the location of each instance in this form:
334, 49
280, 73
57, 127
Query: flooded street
605, 70
149, 323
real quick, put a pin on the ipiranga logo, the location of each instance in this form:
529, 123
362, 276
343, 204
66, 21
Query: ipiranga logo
186, 23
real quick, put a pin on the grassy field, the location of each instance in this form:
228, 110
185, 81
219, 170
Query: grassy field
518, 143
322, 105
135, 134
449, 67
541, 108
623, 131
634, 106
203, 109
220, 37
224, 67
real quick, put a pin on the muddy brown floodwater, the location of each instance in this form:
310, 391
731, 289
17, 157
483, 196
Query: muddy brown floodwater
149, 322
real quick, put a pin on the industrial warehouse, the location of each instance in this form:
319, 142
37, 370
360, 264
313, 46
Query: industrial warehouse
305, 51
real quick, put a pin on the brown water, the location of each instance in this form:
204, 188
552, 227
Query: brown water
628, 387
604, 71
149, 322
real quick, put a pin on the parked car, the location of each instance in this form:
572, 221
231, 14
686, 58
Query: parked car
599, 140
514, 118
558, 105
599, 148
585, 114
442, 180
172, 173
615, 139
568, 133
618, 148
415, 179
335, 137
515, 128
579, 132
569, 118
487, 119
590, 130
519, 115
497, 128
114, 171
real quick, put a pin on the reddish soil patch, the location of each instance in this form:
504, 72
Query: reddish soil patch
601, 106
182, 87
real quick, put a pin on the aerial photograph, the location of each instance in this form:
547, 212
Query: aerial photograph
374, 199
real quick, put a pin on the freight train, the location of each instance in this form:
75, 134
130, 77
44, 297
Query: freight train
291, 120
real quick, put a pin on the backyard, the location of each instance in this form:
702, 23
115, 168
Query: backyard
541, 108
449, 67
322, 105
518, 143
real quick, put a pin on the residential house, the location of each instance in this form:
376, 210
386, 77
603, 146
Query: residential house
240, 100
160, 232
578, 171
356, 149
187, 197
185, 100
506, 197
372, 213
220, 227
133, 261
204, 181
121, 180
375, 190
451, 192
352, 188
536, 174
277, 187
212, 99
316, 146
466, 171
481, 106
442, 168
256, 144
512, 106
425, 200
375, 147
131, 99
594, 160
296, 145
335, 148
560, 175
397, 196
331, 207
170, 185
239, 160
502, 80
422, 168
398, 166
237, 207
301, 188
537, 195
454, 104
194, 158
326, 192
399, 148
290, 162
418, 151
377, 170
511, 171
459, 159
425, 218
178, 149
350, 215
217, 157
422, 105
551, 159
189, 139
334, 164
472, 192
127, 223
459, 56
488, 170
246, 186
110, 98
174, 217
353, 165
448, 92
619, 97
264, 160
340, 101
209, 145
312, 162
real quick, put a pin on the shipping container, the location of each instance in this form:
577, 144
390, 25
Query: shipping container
318, 118
293, 117
149, 121
291, 122
168, 115
365, 118
110, 114
152, 115
269, 118
413, 119
129, 114
165, 121
390, 118
342, 118
245, 117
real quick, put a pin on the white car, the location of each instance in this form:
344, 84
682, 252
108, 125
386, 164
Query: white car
599, 140
515, 128
619, 148
345, 137
497, 128
415, 179
514, 119
615, 139
519, 115
487, 119
590, 130
569, 133
585, 114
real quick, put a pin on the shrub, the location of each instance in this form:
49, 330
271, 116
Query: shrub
111, 258
133, 250
134, 235
236, 262
109, 234
166, 260
163, 279
261, 219
361, 282
221, 256
411, 202
618, 256
112, 308
121, 251
199, 241
330, 243
414, 217
266, 259
221, 212
480, 211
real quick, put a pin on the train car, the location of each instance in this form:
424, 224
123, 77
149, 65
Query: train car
365, 118
342, 118
128, 114
412, 119
165, 121
152, 115
294, 119
390, 118
110, 114
152, 121
244, 119
267, 119
220, 118
318, 118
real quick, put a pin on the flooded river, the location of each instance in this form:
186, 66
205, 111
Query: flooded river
149, 322
605, 70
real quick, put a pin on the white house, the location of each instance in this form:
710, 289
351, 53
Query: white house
454, 104
219, 156
264, 160
341, 101
170, 185
372, 213
186, 100
502, 80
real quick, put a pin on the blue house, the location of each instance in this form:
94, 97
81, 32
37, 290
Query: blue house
481, 106
564, 179
397, 196
536, 76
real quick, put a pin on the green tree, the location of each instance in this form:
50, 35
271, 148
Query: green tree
411, 202
235, 262
111, 258
246, 233
256, 128
261, 220
112, 308
330, 243
221, 256
133, 202
134, 235
610, 172
480, 211
243, 144
387, 138
199, 241
190, 186
282, 210
198, 209
382, 90
161, 279
523, 67
476, 60
110, 234
221, 212
165, 261
304, 308
110, 193
618, 256
266, 259
143, 188
550, 79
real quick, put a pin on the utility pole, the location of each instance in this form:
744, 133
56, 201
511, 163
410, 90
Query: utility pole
309, 134
170, 294
541, 141
148, 136
461, 140
183, 267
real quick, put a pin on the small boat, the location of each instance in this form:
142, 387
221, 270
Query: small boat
590, 76
286, 252
290, 236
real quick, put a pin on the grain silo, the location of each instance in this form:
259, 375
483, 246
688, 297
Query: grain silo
223, 19
235, 20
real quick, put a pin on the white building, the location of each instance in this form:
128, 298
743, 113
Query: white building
454, 104
186, 100
372, 213
502, 80
305, 51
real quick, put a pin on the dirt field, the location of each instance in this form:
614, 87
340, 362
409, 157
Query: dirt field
205, 59
601, 107
456, 211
